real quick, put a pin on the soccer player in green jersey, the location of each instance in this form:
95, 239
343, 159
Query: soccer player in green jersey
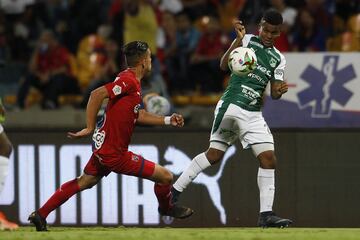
5, 151
238, 115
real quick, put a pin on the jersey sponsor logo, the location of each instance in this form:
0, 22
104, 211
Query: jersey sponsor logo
98, 138
279, 74
136, 108
135, 158
326, 86
272, 62
258, 78
178, 161
272, 54
116, 90
264, 70
249, 92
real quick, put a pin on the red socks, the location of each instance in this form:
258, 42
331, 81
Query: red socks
163, 195
61, 195
70, 188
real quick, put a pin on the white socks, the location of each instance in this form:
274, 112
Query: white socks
266, 183
266, 180
4, 163
198, 164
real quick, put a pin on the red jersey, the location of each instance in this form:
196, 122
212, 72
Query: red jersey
114, 130
53, 59
210, 45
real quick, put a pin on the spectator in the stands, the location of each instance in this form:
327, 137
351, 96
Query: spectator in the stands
178, 52
288, 13
197, 8
205, 71
308, 35
50, 72
140, 23
4, 50
107, 68
26, 30
348, 40
252, 13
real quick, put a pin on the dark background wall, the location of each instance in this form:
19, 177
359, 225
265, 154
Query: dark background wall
317, 180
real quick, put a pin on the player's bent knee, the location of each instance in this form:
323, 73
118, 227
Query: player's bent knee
262, 148
6, 150
167, 177
87, 181
214, 155
161, 175
267, 160
5, 147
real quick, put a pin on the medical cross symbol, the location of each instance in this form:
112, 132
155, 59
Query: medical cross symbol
326, 85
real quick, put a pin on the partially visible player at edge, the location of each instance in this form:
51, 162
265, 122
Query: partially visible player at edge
111, 138
238, 115
5, 151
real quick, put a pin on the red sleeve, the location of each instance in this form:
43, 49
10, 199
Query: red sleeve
121, 86
63, 56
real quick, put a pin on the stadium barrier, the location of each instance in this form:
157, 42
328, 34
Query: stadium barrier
317, 180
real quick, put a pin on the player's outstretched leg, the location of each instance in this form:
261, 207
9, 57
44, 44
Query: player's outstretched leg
166, 208
175, 195
38, 221
68, 189
197, 165
5, 151
162, 188
269, 219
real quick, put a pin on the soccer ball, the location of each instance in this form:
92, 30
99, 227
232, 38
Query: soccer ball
242, 61
158, 105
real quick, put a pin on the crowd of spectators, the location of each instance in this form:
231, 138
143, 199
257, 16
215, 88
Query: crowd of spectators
74, 46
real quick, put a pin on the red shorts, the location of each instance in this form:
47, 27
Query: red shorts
128, 163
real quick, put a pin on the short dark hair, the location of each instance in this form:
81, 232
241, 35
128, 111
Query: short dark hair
272, 17
134, 51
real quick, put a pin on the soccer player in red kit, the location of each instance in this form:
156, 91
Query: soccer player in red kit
111, 138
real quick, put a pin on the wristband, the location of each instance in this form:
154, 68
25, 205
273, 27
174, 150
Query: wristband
167, 120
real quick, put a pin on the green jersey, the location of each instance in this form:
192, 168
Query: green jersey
247, 91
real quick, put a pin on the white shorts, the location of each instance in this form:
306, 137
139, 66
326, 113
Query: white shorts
232, 122
1, 128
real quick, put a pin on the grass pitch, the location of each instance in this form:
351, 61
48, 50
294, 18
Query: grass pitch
101, 233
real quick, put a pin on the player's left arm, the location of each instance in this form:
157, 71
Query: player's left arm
278, 88
147, 118
278, 85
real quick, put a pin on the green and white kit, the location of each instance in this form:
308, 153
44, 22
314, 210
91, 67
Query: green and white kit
238, 112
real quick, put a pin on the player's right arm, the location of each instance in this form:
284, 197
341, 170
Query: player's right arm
118, 88
95, 101
240, 33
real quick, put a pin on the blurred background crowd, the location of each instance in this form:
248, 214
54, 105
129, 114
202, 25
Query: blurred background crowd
53, 48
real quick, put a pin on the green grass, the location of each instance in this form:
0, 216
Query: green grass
100, 233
